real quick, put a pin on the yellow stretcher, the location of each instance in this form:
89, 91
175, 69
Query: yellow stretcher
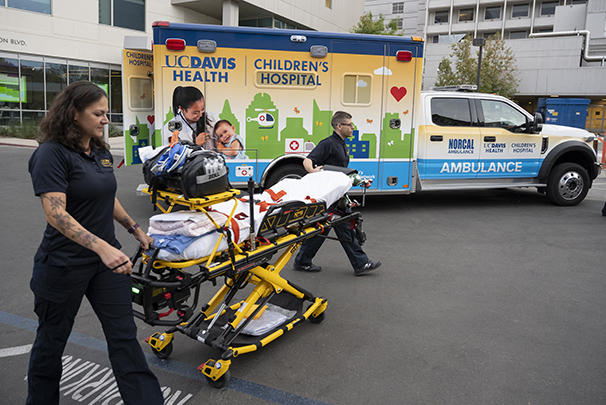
174, 287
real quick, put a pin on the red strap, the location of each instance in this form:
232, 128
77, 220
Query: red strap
276, 196
162, 315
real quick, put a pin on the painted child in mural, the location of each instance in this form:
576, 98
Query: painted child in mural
229, 144
197, 124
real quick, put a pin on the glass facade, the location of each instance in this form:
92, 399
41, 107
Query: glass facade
123, 13
37, 6
29, 84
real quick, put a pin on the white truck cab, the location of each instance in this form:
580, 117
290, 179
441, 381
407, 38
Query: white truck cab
474, 140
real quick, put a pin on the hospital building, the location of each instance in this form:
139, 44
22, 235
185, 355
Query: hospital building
47, 44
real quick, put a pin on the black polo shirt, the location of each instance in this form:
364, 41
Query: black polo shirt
330, 151
89, 184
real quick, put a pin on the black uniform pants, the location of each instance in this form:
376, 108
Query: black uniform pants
58, 295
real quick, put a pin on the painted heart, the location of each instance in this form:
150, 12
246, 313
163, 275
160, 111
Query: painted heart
151, 119
398, 92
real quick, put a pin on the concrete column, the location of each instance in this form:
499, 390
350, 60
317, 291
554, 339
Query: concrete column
231, 13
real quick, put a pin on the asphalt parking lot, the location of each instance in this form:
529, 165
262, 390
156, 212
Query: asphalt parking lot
484, 297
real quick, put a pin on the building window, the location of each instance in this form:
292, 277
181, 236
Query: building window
29, 84
356, 89
37, 6
519, 10
517, 34
400, 23
466, 14
492, 13
328, 4
549, 7
56, 80
398, 8
489, 35
435, 39
440, 17
123, 13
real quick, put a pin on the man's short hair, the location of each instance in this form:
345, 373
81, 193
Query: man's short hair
339, 118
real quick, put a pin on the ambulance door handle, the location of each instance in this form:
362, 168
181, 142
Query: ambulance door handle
436, 138
490, 139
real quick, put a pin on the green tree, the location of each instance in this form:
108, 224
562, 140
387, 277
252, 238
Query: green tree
498, 72
367, 25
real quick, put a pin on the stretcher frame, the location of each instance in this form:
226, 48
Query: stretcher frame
159, 284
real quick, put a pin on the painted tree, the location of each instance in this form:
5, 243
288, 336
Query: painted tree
498, 71
368, 25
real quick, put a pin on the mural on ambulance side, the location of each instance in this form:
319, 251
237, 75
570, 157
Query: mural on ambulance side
280, 97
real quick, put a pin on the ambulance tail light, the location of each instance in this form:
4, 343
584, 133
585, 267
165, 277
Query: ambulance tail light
175, 44
404, 56
160, 24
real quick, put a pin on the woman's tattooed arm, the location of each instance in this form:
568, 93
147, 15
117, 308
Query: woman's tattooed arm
54, 205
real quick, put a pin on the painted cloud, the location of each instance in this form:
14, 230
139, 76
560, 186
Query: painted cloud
382, 71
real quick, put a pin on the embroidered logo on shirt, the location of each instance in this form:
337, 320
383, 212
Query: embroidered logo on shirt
106, 163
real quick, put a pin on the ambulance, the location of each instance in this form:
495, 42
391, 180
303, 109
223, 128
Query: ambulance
280, 88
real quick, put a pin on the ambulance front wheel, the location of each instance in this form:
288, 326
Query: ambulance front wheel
288, 171
568, 184
164, 353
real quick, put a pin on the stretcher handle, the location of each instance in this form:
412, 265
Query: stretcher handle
144, 277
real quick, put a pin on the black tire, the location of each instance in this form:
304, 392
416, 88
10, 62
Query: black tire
288, 171
317, 319
568, 184
221, 381
164, 353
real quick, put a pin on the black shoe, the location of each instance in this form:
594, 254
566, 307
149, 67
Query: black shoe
369, 266
311, 268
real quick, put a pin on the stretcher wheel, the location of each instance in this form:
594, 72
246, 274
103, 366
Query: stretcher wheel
317, 319
164, 353
221, 381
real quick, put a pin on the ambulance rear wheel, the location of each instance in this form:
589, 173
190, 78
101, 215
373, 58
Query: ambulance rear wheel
568, 184
221, 382
288, 171
164, 353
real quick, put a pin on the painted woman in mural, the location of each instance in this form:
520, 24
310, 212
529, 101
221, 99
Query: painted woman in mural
197, 124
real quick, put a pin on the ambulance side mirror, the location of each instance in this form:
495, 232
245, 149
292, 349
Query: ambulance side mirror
537, 125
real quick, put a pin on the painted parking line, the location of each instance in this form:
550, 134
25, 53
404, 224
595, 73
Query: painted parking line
15, 351
173, 367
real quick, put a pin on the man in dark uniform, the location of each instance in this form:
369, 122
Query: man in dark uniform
333, 151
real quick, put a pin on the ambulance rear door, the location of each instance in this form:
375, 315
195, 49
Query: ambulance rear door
137, 100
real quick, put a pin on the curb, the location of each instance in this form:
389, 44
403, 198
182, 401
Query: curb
116, 144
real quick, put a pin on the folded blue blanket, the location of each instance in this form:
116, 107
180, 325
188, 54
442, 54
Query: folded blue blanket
173, 243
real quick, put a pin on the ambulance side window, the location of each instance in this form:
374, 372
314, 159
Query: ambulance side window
451, 112
140, 96
501, 115
356, 89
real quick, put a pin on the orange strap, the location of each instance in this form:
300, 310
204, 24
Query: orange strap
275, 196
174, 138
